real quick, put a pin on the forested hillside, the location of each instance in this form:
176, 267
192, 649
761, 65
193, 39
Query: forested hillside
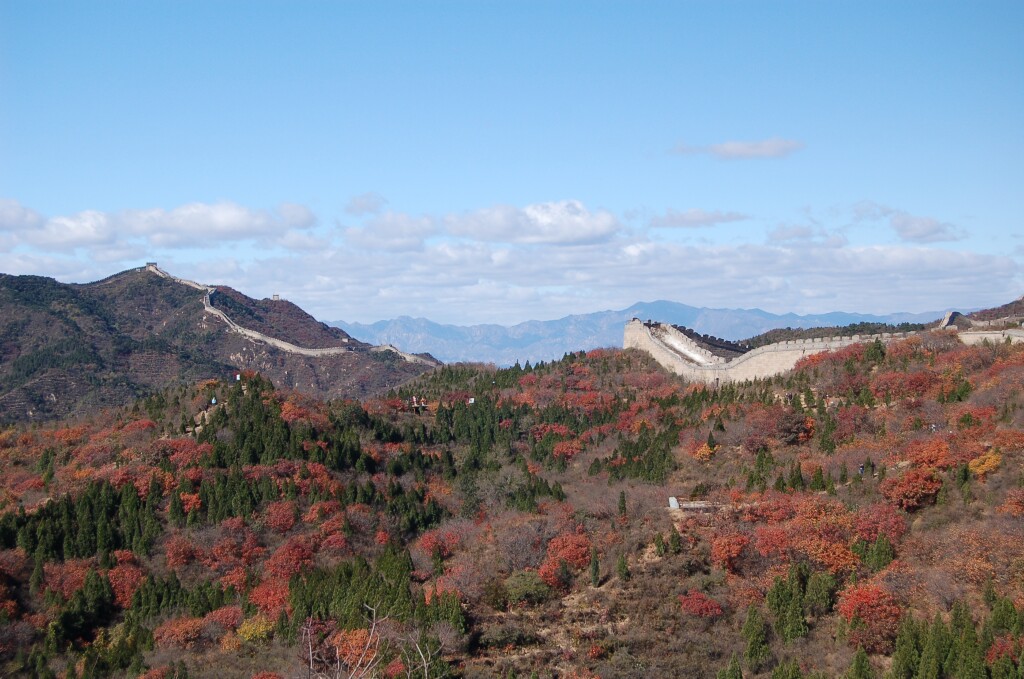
861, 516
69, 350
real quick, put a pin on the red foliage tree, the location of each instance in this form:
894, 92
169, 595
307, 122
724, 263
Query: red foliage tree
227, 617
571, 549
181, 632
270, 596
179, 551
66, 578
1014, 503
187, 452
281, 516
699, 604
873, 616
290, 558
125, 578
879, 519
913, 490
726, 549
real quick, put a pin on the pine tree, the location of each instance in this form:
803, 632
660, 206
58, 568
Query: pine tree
787, 670
622, 568
792, 624
755, 632
906, 657
622, 503
818, 599
861, 667
675, 541
595, 568
732, 671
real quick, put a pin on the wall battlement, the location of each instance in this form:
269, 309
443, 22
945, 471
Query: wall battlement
682, 355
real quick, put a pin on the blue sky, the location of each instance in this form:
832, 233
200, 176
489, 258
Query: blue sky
496, 162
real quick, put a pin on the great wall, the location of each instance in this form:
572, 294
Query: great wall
255, 336
711, 360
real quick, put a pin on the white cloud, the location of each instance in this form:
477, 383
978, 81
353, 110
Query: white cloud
910, 228
694, 218
204, 223
776, 147
923, 229
394, 231
566, 222
16, 217
509, 264
366, 203
87, 228
296, 216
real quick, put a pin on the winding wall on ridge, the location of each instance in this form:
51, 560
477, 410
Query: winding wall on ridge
685, 357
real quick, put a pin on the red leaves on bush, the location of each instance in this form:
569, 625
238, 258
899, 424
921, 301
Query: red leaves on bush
699, 604
1014, 503
932, 452
873, 616
725, 549
567, 449
270, 596
879, 519
187, 452
179, 551
539, 431
125, 578
290, 558
1005, 646
181, 632
280, 516
913, 490
572, 549
66, 578
228, 617
440, 542
190, 501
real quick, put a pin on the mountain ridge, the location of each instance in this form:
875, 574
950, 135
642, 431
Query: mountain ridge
70, 349
548, 340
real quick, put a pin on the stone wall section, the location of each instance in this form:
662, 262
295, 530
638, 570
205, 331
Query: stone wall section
765, 361
255, 336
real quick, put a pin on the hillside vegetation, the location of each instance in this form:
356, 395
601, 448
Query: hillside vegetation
862, 328
861, 516
73, 349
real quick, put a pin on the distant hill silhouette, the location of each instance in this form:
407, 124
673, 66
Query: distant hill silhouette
67, 348
548, 340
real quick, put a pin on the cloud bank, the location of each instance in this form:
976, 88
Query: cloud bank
505, 264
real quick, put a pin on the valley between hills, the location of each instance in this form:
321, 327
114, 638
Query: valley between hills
259, 513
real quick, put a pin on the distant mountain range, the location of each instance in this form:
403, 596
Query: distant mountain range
548, 340
71, 349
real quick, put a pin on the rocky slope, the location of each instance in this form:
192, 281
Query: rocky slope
69, 349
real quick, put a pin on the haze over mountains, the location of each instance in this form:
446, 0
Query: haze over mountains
548, 340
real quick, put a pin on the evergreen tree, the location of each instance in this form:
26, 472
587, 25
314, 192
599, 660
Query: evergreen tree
818, 599
622, 503
906, 658
787, 670
732, 671
792, 624
861, 666
622, 568
755, 632
595, 568
675, 541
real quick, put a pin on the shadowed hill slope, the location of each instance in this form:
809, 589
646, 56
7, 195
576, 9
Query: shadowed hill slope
69, 349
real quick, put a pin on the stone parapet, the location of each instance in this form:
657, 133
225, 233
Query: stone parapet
688, 359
